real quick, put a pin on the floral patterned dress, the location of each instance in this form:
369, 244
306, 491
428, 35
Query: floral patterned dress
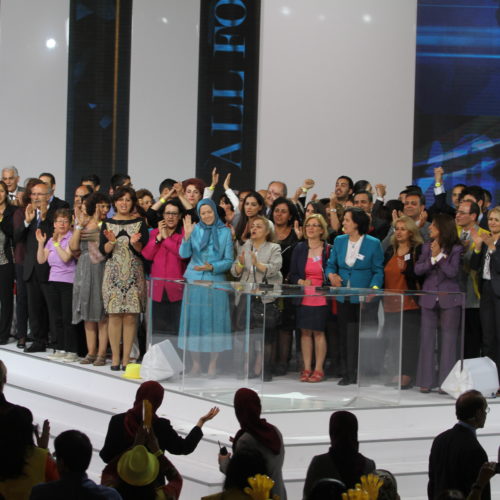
124, 286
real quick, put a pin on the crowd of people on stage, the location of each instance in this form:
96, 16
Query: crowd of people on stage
82, 267
137, 467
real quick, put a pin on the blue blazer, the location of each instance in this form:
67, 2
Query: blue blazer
367, 271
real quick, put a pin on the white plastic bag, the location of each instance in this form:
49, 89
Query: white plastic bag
478, 373
161, 362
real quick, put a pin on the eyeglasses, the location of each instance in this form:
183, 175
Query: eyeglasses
312, 225
173, 214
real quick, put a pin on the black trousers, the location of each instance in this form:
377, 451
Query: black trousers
348, 323
21, 304
6, 299
37, 309
472, 333
60, 298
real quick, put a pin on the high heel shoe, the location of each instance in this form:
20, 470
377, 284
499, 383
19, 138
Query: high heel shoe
115, 368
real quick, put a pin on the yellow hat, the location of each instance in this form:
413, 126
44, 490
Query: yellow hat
133, 370
138, 467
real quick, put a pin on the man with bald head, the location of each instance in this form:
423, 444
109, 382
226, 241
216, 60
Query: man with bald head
456, 455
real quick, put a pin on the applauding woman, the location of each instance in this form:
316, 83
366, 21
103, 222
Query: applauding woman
205, 322
356, 261
59, 292
439, 265
309, 260
87, 288
399, 274
124, 287
260, 260
163, 249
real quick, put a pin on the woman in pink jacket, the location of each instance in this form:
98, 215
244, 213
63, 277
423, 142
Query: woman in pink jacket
163, 250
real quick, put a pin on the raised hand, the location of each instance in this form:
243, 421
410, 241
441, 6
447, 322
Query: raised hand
29, 213
215, 177
227, 182
435, 248
489, 240
40, 237
314, 197
178, 188
43, 209
241, 258
212, 413
162, 229
110, 236
308, 184
422, 219
42, 440
135, 238
188, 227
381, 190
253, 256
298, 229
438, 174
476, 238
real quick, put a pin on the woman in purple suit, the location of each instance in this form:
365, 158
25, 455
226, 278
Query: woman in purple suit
439, 263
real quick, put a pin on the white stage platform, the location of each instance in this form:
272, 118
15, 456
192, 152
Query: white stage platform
398, 437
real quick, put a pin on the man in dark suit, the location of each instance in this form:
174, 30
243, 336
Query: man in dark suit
456, 455
39, 214
54, 202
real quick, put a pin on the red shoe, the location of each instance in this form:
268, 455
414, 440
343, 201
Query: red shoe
317, 376
304, 375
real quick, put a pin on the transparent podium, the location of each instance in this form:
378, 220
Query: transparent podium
219, 337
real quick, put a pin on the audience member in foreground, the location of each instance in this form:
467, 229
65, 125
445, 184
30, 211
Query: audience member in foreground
142, 470
456, 455
74, 452
22, 463
241, 466
4, 404
327, 488
123, 427
343, 460
257, 434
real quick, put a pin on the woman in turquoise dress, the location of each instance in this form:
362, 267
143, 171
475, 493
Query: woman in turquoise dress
205, 320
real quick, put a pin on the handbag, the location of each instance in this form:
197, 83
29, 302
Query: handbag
261, 311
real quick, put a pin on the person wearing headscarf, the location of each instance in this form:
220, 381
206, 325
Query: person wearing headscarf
123, 427
205, 321
257, 434
343, 460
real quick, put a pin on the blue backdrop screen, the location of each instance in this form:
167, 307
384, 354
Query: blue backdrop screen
457, 94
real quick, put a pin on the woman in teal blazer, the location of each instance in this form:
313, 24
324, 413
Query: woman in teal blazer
356, 261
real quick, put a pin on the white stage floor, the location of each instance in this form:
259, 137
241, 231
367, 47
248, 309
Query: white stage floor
396, 436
